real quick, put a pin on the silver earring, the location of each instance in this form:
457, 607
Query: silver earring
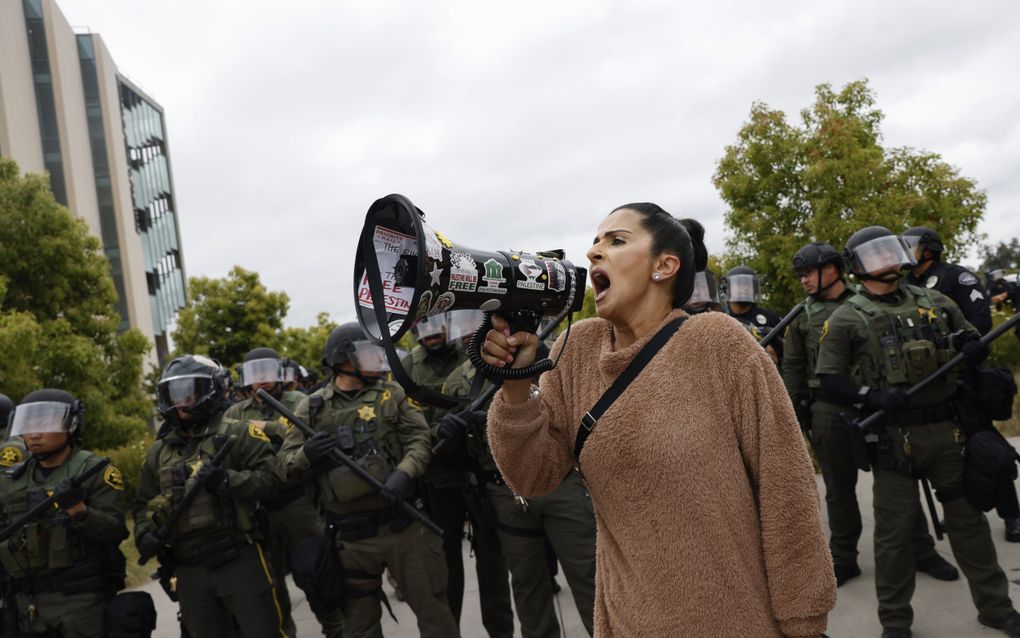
656, 276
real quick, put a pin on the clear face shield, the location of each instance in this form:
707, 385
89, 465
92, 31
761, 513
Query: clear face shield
462, 324
290, 374
705, 289
183, 391
429, 327
369, 359
998, 274
884, 254
261, 371
40, 418
741, 288
913, 243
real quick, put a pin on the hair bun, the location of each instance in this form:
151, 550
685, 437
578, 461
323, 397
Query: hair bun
697, 233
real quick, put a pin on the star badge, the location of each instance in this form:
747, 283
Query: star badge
366, 413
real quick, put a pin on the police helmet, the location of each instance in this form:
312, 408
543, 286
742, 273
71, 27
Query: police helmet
48, 410
260, 365
6, 407
705, 291
875, 249
348, 343
740, 285
194, 383
815, 255
923, 238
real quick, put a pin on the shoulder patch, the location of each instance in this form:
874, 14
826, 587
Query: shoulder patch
825, 330
10, 456
967, 278
256, 433
113, 478
414, 404
386, 396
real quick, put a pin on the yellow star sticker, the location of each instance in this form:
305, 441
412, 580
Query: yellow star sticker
444, 240
366, 413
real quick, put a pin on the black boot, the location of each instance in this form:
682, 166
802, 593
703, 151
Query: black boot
1012, 529
845, 571
1010, 625
938, 568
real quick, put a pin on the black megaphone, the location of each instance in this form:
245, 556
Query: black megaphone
405, 271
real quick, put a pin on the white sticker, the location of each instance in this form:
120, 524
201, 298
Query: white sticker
435, 274
463, 273
531, 271
493, 277
433, 249
389, 247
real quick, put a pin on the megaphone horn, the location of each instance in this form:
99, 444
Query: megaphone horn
405, 270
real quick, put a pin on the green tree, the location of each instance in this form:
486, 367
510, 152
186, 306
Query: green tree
1002, 255
826, 177
305, 345
58, 323
226, 317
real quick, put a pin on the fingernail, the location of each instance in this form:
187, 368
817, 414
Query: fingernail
506, 332
509, 359
512, 341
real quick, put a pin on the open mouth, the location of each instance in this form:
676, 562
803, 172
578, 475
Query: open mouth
600, 282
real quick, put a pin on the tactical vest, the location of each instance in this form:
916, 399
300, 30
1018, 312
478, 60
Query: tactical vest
906, 342
365, 426
47, 543
209, 514
816, 313
276, 425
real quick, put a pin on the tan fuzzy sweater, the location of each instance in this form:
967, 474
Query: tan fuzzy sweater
705, 499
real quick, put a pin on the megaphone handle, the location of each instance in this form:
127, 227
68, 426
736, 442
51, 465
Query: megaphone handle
491, 371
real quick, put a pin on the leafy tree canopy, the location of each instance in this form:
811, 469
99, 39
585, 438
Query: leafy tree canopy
1002, 255
58, 324
827, 176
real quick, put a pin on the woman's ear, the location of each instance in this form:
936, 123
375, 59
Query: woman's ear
667, 264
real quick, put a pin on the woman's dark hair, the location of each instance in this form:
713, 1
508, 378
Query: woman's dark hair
684, 238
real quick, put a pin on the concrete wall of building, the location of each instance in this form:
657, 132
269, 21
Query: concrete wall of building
131, 256
69, 97
19, 119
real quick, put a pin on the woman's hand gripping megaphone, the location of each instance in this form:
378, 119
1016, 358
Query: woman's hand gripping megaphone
502, 349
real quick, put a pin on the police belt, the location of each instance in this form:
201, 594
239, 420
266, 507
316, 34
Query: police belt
213, 551
923, 416
83, 576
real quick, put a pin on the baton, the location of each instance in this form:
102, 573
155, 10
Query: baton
931, 508
778, 330
337, 455
866, 423
46, 504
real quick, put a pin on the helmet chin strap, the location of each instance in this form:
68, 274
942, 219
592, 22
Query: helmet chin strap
43, 456
820, 287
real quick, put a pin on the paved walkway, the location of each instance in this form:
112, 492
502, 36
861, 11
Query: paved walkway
940, 609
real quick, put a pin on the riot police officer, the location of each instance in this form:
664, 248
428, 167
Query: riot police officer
216, 548
705, 297
820, 270
292, 511
438, 354
741, 288
565, 517
65, 589
12, 451
881, 341
372, 420
964, 288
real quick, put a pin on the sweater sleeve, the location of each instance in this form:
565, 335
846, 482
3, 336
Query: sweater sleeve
532, 442
798, 564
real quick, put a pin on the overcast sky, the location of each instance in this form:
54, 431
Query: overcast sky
520, 125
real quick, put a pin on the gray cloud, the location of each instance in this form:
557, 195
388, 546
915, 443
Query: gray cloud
522, 125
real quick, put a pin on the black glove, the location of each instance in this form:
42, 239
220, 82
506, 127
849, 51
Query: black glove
452, 428
67, 494
148, 546
395, 488
975, 352
213, 478
319, 447
891, 399
802, 408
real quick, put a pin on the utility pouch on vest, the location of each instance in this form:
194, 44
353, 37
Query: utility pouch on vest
219, 552
13, 559
59, 547
347, 486
356, 527
920, 359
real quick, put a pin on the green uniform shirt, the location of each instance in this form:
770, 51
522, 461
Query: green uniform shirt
251, 477
52, 541
431, 372
276, 425
476, 443
389, 433
802, 341
852, 344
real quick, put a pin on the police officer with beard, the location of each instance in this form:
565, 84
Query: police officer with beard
881, 341
292, 511
222, 567
820, 270
65, 564
385, 432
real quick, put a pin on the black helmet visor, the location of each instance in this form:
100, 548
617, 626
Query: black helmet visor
183, 391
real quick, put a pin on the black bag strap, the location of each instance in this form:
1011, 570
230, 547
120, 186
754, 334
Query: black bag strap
591, 417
